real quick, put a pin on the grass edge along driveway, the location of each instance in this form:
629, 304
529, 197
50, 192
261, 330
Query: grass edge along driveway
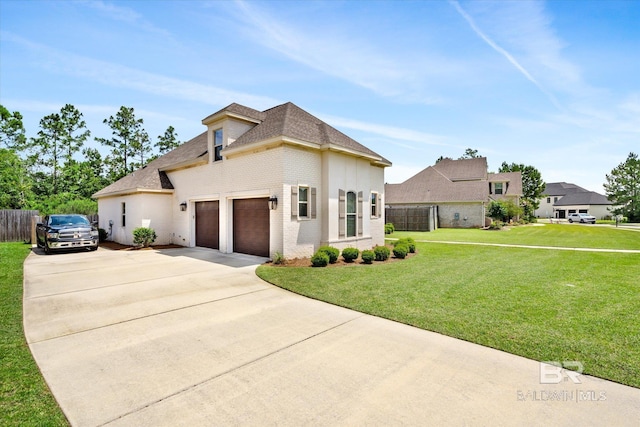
546, 305
25, 399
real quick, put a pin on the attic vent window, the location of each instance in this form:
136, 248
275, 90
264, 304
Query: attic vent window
217, 144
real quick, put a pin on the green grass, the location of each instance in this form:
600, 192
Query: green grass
537, 303
25, 399
557, 235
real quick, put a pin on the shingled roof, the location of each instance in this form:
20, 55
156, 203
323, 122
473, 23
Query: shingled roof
583, 198
446, 181
286, 122
152, 176
561, 189
289, 121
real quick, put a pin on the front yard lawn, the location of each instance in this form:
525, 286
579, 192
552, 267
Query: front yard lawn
24, 397
542, 304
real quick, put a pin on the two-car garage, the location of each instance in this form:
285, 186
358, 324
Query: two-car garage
250, 225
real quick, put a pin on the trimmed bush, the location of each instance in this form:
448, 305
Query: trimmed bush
401, 250
389, 228
144, 236
320, 259
381, 253
332, 252
411, 244
368, 256
350, 254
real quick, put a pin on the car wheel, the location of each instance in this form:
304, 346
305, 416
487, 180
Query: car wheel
582, 221
570, 221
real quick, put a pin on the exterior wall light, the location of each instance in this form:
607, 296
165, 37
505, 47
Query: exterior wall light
183, 206
273, 203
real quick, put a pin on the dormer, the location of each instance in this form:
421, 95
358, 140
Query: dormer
226, 126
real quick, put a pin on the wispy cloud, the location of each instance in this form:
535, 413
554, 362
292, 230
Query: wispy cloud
126, 15
504, 53
391, 132
340, 53
115, 75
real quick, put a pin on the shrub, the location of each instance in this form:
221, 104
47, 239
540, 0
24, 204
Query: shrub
144, 236
382, 253
401, 250
279, 259
389, 228
411, 244
350, 254
102, 234
319, 259
332, 252
368, 256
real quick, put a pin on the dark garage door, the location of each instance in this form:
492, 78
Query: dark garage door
251, 226
207, 225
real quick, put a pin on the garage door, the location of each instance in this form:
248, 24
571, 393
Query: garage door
251, 226
207, 225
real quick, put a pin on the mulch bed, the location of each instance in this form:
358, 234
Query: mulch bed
118, 247
306, 262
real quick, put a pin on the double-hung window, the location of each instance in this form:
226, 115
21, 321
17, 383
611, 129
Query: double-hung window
123, 208
374, 205
303, 202
352, 211
498, 188
217, 144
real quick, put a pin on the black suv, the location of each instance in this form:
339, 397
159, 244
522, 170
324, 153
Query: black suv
66, 231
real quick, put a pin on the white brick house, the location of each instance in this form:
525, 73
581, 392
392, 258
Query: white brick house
256, 182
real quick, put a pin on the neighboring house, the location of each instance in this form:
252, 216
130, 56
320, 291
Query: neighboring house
461, 190
256, 182
561, 199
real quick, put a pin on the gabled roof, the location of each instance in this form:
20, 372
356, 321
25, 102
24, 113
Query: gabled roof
513, 179
446, 181
583, 198
561, 189
463, 169
288, 121
285, 122
153, 177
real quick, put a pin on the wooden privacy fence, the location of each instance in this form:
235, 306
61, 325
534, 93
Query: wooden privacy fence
15, 225
418, 218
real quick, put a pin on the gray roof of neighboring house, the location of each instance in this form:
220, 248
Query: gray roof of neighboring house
151, 177
561, 189
286, 121
513, 180
583, 198
464, 180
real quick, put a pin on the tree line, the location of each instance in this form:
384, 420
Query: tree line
55, 171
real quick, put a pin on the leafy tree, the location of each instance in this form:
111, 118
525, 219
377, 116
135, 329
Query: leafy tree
168, 141
60, 136
532, 186
470, 153
503, 210
623, 187
15, 184
126, 130
12, 134
441, 158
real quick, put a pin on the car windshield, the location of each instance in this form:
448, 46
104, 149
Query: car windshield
69, 220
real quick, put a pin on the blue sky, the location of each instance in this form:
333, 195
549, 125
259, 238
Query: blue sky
552, 84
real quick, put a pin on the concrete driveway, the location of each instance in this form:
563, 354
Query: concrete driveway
193, 337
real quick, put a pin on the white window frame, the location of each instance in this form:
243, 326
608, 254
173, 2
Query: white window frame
217, 145
495, 188
351, 215
123, 211
304, 203
375, 204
